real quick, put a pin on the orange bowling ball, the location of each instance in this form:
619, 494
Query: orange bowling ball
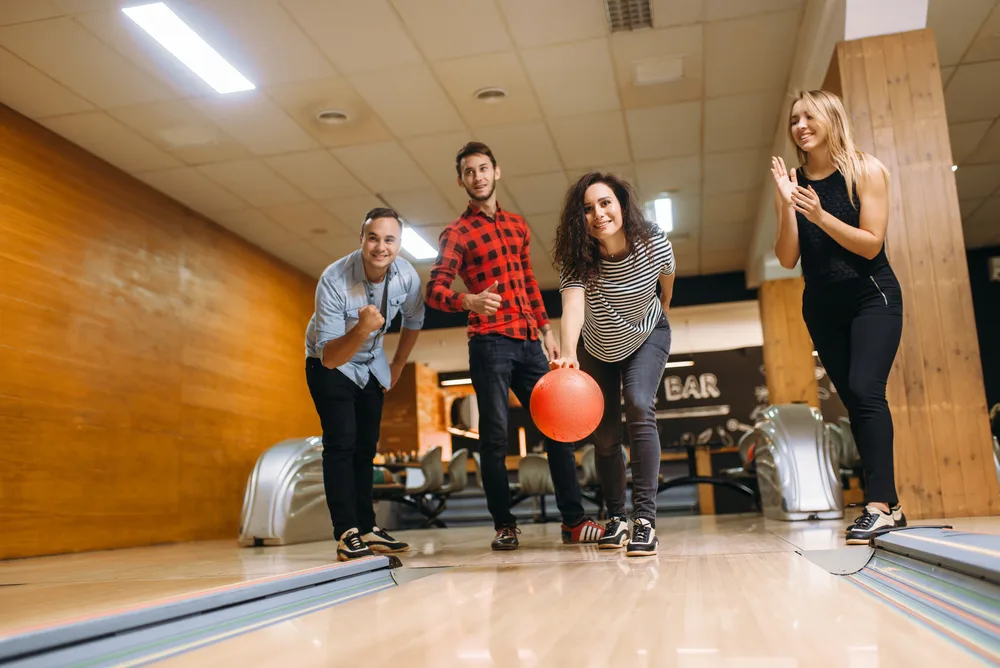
567, 405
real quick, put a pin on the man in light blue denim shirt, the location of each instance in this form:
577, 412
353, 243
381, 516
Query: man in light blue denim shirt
348, 373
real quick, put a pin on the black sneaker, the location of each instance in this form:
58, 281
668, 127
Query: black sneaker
872, 523
615, 534
643, 541
352, 547
506, 539
897, 516
379, 540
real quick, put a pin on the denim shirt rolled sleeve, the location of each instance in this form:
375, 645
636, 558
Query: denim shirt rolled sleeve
413, 307
330, 318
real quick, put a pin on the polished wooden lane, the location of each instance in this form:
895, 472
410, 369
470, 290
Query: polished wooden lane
724, 591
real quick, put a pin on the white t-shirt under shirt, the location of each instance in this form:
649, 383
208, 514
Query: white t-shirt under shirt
624, 308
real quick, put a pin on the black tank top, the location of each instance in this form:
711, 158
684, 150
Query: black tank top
823, 259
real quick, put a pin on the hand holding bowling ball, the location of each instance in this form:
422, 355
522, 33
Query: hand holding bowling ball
565, 362
567, 405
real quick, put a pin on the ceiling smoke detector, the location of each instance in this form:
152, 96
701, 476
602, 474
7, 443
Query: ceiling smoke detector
332, 116
625, 15
490, 95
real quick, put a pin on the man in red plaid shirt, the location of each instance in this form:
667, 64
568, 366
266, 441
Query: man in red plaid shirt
490, 249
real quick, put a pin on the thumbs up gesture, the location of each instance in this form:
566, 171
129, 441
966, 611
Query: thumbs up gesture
486, 302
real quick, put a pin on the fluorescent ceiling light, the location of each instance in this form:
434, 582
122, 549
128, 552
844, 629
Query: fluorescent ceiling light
415, 245
661, 210
184, 43
456, 381
675, 365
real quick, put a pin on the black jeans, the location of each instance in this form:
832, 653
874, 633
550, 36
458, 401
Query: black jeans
639, 376
497, 365
856, 325
350, 417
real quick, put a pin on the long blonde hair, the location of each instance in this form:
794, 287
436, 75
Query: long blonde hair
829, 112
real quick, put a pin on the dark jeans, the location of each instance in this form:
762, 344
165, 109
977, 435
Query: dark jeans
498, 364
351, 417
639, 376
856, 325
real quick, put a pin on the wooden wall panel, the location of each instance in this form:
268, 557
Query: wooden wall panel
891, 86
147, 356
788, 360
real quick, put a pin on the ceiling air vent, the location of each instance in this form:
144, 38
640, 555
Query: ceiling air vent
628, 14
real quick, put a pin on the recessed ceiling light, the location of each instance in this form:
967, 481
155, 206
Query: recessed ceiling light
332, 116
661, 210
188, 47
491, 95
954, 168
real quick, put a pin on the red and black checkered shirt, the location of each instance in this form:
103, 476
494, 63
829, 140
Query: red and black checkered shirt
481, 250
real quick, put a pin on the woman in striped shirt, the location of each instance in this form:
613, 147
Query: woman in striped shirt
610, 260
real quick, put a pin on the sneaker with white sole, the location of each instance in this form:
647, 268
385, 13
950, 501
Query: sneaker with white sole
379, 540
615, 534
897, 516
872, 523
643, 541
350, 546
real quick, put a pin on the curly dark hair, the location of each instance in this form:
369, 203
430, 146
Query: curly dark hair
576, 252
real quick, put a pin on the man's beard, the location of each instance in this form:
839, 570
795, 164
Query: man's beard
493, 189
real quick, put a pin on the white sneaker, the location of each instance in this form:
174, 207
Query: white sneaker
643, 542
615, 534
872, 523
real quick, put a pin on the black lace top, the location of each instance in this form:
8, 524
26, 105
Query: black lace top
823, 259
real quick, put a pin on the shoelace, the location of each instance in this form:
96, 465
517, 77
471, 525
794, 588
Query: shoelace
381, 533
354, 542
612, 527
866, 521
640, 534
509, 532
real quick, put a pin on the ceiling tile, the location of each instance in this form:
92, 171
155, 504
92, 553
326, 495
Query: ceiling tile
522, 149
674, 175
110, 140
734, 171
308, 220
256, 228
75, 58
954, 25
967, 99
252, 180
734, 64
721, 10
664, 132
436, 155
85, 6
317, 174
453, 28
985, 45
305, 257
729, 208
573, 79
33, 94
336, 246
968, 207
687, 215
189, 186
592, 140
725, 237
181, 130
543, 231
463, 77
420, 207
20, 11
988, 149
541, 193
259, 38
257, 122
977, 180
981, 228
965, 137
667, 13
382, 167
302, 100
391, 94
741, 121
355, 36
624, 171
534, 23
352, 210
647, 49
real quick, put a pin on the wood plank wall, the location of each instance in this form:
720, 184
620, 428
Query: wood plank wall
789, 366
147, 356
891, 86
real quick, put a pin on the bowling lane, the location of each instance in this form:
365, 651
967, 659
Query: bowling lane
549, 604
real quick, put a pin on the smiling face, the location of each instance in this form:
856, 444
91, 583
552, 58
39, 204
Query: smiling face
602, 211
380, 240
479, 177
808, 129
